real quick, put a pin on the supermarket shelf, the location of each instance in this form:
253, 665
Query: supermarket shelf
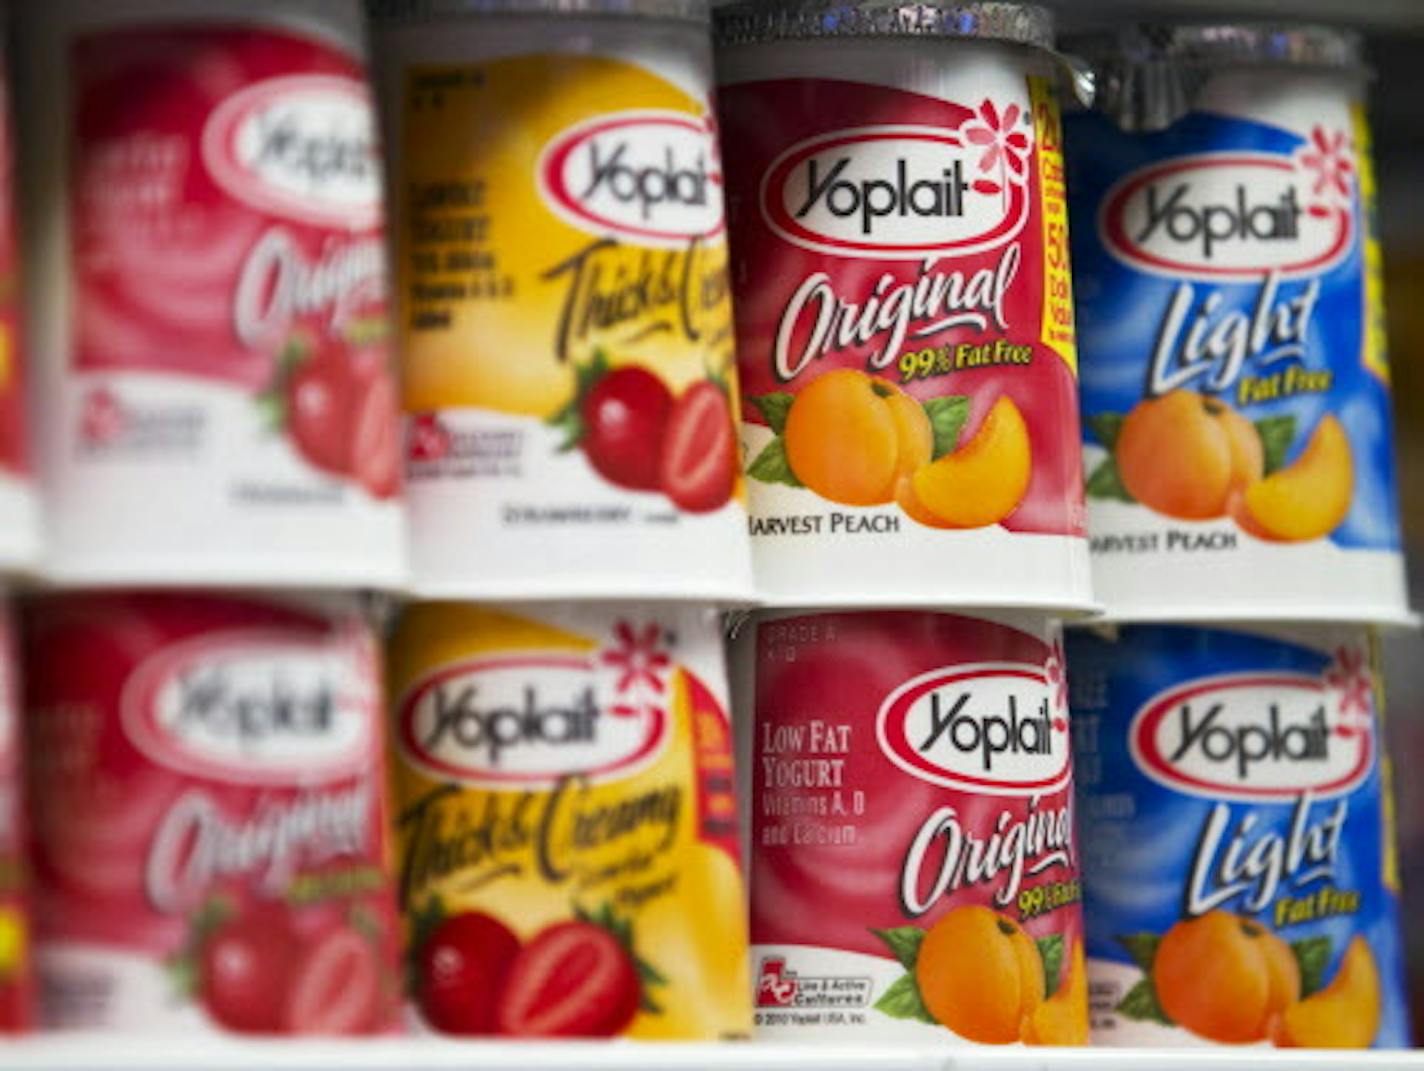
134, 1054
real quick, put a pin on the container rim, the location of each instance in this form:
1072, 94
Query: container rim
385, 12
1220, 44
753, 21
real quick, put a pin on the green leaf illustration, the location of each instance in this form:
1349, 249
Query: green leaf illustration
1050, 951
902, 1001
771, 465
1106, 427
1312, 955
947, 416
904, 942
773, 409
568, 418
1141, 1004
1106, 482
1277, 433
1142, 947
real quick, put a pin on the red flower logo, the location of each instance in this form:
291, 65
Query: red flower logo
1006, 147
640, 663
1330, 158
429, 439
103, 418
1056, 673
1351, 679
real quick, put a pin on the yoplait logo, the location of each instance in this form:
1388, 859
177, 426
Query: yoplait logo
1261, 736
257, 706
1238, 215
529, 719
301, 146
904, 191
651, 176
1277, 221
919, 195
991, 727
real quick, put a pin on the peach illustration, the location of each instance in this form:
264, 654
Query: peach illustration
1224, 977
1308, 498
978, 484
1183, 454
1062, 1019
849, 436
980, 975
1343, 1015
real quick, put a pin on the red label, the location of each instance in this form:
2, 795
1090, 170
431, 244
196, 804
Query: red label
870, 816
912, 239
226, 224
211, 788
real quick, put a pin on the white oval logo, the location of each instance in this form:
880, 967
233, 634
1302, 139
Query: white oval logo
302, 146
650, 176
255, 707
896, 192
990, 727
1253, 736
526, 721
1224, 216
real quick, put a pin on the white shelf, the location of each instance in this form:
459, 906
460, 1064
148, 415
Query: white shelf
128, 1053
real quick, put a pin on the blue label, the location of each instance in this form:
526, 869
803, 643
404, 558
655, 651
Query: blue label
1235, 851
1225, 263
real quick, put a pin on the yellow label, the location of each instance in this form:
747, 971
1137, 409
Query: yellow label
1374, 345
555, 771
561, 214
1057, 275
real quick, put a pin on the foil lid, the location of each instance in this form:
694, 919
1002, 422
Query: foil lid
1149, 76
386, 11
751, 21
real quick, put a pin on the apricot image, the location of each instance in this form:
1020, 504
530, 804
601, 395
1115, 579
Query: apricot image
1224, 977
1062, 1019
1183, 454
979, 484
1308, 498
980, 975
850, 436
1343, 1015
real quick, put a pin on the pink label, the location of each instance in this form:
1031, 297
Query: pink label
213, 802
910, 780
226, 204
919, 241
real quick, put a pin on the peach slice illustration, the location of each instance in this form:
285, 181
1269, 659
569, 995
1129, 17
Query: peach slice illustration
979, 484
1343, 1015
1062, 1019
1308, 498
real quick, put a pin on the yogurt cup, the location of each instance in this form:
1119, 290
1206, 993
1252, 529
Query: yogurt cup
568, 824
904, 303
1236, 391
913, 859
207, 301
1240, 878
560, 254
211, 825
